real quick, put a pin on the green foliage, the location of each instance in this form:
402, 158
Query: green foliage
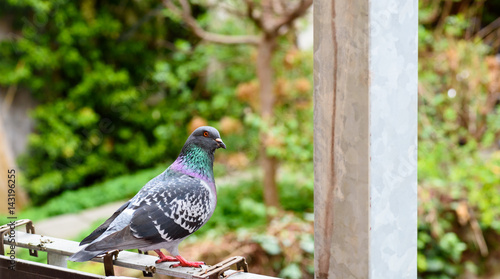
291, 271
290, 246
116, 189
291, 129
110, 81
470, 183
458, 166
297, 190
241, 206
269, 243
440, 259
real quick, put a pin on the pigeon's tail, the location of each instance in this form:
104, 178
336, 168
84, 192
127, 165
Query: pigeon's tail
84, 255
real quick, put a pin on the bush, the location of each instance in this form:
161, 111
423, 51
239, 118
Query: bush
459, 124
115, 86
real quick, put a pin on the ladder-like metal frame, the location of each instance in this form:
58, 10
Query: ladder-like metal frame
58, 250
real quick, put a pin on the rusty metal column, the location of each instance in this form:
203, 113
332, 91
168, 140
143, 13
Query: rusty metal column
365, 138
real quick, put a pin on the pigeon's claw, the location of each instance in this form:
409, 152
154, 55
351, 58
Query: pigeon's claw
184, 263
164, 258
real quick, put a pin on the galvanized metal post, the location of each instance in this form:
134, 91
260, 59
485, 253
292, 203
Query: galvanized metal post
57, 260
365, 121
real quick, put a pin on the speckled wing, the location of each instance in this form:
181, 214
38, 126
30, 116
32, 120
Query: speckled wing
172, 210
104, 226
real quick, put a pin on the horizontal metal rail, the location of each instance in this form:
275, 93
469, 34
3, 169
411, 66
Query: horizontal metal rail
58, 251
28, 269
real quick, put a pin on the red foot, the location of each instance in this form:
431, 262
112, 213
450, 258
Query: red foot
164, 258
184, 263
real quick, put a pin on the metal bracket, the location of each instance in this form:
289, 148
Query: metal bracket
149, 269
107, 259
217, 270
7, 227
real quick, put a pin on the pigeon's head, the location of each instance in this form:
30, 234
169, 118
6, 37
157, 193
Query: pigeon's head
207, 138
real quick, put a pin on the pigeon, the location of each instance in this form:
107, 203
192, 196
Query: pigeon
169, 208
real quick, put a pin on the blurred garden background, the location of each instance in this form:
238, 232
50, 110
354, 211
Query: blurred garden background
98, 97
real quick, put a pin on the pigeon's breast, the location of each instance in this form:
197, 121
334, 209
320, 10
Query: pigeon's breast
213, 196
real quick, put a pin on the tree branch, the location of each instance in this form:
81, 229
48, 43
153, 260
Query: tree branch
185, 13
251, 14
267, 17
488, 28
278, 8
296, 12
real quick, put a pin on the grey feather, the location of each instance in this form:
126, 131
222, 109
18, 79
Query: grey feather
84, 255
102, 228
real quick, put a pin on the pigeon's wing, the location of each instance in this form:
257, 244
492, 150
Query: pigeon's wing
172, 210
175, 211
104, 226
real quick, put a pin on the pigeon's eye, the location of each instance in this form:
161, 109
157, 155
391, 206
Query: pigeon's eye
205, 134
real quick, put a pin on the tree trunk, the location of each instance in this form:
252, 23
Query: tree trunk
265, 75
7, 163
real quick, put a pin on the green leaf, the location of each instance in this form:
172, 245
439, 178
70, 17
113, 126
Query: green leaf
291, 271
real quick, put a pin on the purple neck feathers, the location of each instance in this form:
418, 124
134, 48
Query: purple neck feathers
180, 166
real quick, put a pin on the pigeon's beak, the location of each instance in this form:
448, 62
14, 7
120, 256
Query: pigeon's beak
220, 143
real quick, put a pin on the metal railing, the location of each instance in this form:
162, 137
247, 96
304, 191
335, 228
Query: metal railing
58, 250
